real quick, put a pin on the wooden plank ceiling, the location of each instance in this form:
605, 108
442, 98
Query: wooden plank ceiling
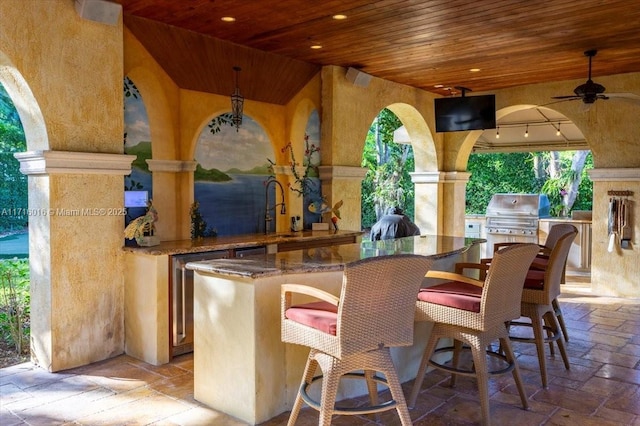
420, 43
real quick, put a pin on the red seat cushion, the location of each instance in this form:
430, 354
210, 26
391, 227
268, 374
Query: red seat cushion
534, 280
454, 294
540, 262
322, 316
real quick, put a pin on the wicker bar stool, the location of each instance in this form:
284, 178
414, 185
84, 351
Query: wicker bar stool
353, 332
475, 313
541, 261
541, 288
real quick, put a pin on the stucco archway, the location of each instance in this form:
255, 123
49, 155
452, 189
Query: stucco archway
39, 228
35, 131
427, 191
420, 136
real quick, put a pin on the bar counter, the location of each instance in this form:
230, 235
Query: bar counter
240, 365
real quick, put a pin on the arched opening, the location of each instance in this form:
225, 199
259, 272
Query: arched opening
412, 146
13, 185
23, 129
538, 151
389, 163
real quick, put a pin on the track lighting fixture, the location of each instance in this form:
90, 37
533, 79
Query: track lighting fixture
526, 132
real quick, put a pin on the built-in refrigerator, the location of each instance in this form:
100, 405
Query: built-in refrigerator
182, 299
182, 294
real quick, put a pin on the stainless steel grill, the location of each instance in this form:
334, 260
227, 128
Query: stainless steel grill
514, 218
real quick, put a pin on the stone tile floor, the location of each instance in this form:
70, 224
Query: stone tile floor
602, 387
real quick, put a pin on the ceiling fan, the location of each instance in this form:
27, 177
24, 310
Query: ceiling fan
590, 91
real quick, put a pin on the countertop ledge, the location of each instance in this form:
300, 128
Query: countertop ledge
237, 241
326, 259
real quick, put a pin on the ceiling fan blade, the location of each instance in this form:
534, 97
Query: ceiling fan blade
624, 96
566, 97
563, 99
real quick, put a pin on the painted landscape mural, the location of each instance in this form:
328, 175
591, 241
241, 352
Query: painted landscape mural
233, 166
137, 141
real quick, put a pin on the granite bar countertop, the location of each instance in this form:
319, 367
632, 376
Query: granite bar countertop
333, 258
238, 241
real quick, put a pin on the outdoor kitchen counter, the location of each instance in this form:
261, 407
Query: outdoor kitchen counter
579, 257
233, 242
149, 323
241, 367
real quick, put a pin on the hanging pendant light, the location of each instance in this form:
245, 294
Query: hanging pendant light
237, 100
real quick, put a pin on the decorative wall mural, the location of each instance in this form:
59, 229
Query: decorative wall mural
231, 172
230, 177
312, 161
137, 141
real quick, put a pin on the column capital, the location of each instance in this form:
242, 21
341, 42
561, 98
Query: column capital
342, 172
624, 174
171, 166
71, 162
440, 177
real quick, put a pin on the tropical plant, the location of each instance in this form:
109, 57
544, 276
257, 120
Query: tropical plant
13, 184
562, 176
14, 303
498, 173
566, 177
387, 182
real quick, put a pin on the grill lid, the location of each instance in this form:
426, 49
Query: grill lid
531, 205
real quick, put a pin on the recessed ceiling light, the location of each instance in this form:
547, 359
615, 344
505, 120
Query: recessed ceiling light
316, 46
228, 19
438, 86
474, 69
339, 17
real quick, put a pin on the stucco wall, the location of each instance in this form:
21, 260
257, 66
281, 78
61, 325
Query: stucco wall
615, 273
74, 70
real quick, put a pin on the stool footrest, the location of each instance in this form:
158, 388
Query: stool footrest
548, 338
471, 373
389, 405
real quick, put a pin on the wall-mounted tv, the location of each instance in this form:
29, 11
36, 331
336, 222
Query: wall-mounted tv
465, 113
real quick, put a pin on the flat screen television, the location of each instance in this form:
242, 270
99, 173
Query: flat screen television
465, 113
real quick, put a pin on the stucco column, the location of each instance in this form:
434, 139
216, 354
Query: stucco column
440, 202
616, 272
76, 224
344, 183
174, 221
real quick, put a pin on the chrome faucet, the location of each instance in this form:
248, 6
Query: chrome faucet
283, 209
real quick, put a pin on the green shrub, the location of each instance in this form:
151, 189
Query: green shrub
14, 303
